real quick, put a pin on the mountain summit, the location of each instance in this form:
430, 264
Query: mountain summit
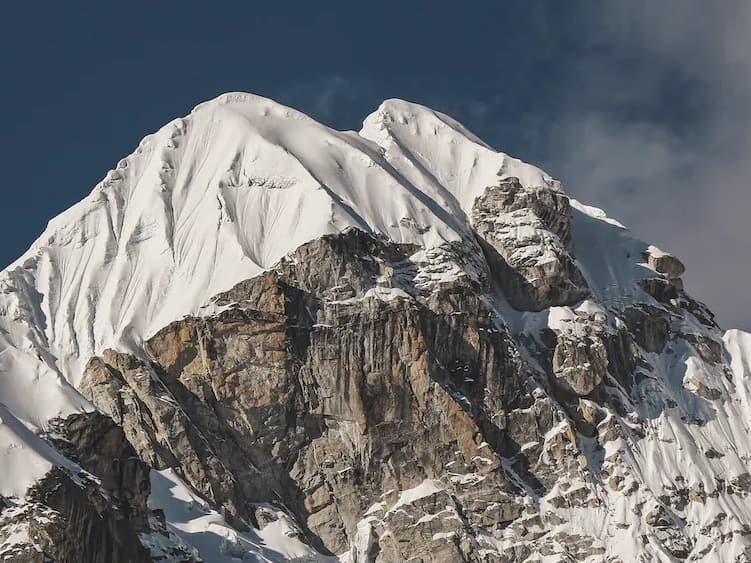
259, 337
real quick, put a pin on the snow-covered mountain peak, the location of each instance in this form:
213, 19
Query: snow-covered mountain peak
217, 197
437, 153
421, 119
266, 305
247, 104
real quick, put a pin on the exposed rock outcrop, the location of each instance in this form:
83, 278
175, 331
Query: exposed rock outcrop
664, 263
580, 365
320, 404
339, 382
100, 447
526, 235
649, 325
65, 521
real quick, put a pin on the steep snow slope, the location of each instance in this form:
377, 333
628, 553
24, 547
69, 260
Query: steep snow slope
442, 158
738, 345
24, 457
198, 525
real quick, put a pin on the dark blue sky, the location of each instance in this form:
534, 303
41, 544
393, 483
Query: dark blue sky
596, 96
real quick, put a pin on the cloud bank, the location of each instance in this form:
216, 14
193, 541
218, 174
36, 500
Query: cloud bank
676, 172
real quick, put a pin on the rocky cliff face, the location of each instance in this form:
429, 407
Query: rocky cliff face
526, 234
323, 391
397, 421
94, 515
535, 386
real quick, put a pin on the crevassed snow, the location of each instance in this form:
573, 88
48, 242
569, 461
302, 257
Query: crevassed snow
387, 293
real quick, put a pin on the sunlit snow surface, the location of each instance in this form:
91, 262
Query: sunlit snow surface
220, 195
194, 522
24, 457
